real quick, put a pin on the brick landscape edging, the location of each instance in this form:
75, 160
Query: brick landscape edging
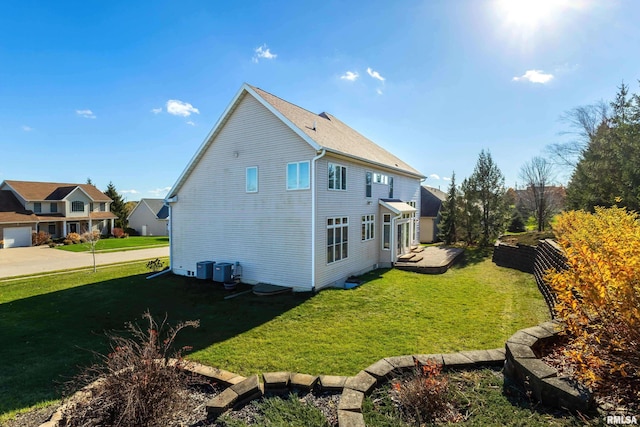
523, 365
240, 390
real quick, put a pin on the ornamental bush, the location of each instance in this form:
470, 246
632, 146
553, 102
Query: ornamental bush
599, 296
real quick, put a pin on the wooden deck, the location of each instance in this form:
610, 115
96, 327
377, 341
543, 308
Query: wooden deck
428, 259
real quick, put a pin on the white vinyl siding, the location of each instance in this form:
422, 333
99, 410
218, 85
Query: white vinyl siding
354, 203
252, 180
269, 232
337, 177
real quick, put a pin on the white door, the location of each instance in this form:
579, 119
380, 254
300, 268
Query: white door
17, 236
144, 230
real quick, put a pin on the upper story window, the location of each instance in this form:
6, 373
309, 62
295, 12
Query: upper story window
90, 207
367, 182
391, 187
298, 176
337, 177
53, 208
103, 206
380, 178
77, 206
251, 184
37, 207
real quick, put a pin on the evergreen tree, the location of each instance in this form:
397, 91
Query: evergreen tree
607, 172
516, 224
490, 192
448, 231
469, 212
117, 206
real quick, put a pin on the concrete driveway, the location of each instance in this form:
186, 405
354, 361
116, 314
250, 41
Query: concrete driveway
41, 259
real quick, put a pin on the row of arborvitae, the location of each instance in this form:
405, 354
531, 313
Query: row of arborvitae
599, 298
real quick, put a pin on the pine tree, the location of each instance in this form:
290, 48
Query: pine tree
117, 206
448, 230
489, 188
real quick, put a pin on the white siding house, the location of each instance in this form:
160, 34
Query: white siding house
150, 218
298, 199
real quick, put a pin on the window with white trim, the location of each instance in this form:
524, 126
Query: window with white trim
368, 227
37, 207
337, 239
337, 177
367, 184
53, 208
77, 206
298, 175
391, 187
252, 179
386, 231
380, 178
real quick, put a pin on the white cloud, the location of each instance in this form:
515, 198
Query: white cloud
263, 52
379, 91
191, 123
130, 192
179, 108
27, 128
156, 110
446, 178
158, 192
434, 176
352, 76
535, 76
376, 75
87, 114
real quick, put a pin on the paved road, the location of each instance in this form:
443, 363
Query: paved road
40, 259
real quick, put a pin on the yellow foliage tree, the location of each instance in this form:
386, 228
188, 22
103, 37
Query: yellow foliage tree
599, 294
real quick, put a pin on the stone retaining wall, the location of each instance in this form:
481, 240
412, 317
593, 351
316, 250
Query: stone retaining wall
519, 257
536, 260
522, 364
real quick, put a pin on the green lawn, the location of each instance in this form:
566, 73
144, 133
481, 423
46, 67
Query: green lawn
112, 244
49, 324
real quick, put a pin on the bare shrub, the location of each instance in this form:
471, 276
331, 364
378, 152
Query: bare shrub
141, 381
424, 396
40, 238
118, 233
74, 238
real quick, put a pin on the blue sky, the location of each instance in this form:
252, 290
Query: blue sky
127, 91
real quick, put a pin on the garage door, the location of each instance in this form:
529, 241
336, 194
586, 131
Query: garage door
17, 236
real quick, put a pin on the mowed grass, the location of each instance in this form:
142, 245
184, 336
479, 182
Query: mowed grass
49, 325
112, 244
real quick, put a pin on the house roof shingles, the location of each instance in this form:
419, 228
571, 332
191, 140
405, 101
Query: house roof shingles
335, 136
430, 201
51, 191
11, 211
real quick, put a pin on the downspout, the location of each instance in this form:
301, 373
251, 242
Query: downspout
313, 217
167, 203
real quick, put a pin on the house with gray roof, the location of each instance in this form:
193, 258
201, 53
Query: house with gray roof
430, 205
296, 198
150, 217
27, 207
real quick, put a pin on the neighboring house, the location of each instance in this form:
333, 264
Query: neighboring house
150, 217
431, 203
27, 207
298, 199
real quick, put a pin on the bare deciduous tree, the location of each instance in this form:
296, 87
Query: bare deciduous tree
537, 175
583, 122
